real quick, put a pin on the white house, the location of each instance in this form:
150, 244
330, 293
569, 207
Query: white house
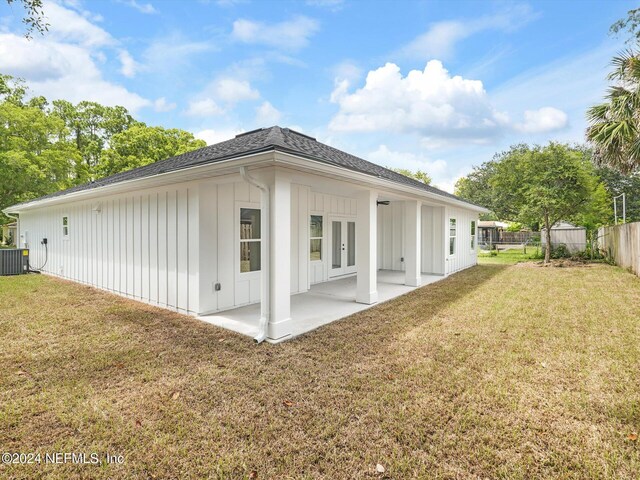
271, 233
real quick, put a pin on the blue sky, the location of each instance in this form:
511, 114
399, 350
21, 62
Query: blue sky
432, 85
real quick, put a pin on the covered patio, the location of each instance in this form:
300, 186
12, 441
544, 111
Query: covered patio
322, 304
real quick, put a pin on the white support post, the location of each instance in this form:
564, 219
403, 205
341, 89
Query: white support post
366, 248
412, 243
280, 258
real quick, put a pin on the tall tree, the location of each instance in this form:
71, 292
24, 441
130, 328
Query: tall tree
614, 129
475, 187
32, 162
546, 184
90, 126
33, 17
617, 183
419, 175
141, 145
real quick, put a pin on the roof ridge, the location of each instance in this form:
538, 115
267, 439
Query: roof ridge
275, 136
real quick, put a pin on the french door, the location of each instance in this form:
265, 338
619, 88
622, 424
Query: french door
342, 246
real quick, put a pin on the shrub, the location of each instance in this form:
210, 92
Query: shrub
560, 251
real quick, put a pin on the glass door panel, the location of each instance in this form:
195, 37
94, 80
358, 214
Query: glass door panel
336, 244
351, 244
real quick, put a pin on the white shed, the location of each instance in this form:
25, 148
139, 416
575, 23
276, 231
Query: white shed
271, 233
565, 233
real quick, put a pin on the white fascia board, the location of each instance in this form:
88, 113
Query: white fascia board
364, 178
184, 174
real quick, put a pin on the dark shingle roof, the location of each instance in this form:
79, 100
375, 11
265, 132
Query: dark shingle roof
256, 141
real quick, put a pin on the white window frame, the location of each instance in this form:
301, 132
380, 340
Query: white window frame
65, 227
247, 206
454, 236
321, 238
473, 231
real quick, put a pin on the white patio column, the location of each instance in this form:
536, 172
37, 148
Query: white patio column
280, 258
366, 247
412, 243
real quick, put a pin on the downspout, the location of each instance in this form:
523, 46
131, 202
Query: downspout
264, 254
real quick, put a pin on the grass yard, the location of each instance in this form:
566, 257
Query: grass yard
507, 257
500, 371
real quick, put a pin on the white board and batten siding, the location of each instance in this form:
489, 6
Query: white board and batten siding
465, 256
435, 258
141, 245
329, 207
219, 240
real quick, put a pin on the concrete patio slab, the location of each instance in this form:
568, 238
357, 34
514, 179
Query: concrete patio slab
322, 304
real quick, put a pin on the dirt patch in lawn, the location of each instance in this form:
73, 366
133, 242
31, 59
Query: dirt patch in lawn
495, 372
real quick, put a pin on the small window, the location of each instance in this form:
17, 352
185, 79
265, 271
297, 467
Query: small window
452, 236
65, 227
315, 238
250, 240
473, 234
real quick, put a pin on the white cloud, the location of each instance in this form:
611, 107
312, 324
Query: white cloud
231, 90
293, 34
430, 103
230, 3
545, 119
161, 105
62, 70
212, 136
129, 66
67, 25
438, 169
440, 39
145, 8
333, 5
220, 95
411, 161
267, 115
205, 107
171, 52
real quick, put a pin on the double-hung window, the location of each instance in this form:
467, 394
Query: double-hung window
452, 236
473, 234
315, 238
65, 227
250, 240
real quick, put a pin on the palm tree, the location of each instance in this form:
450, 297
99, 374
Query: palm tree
615, 124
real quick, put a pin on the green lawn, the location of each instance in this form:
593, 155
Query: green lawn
500, 371
506, 257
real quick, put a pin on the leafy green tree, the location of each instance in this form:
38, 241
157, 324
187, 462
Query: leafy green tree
91, 126
12, 89
33, 17
419, 175
631, 24
617, 183
141, 145
546, 184
475, 187
614, 129
32, 162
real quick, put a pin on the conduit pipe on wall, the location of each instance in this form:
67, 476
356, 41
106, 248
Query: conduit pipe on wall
264, 254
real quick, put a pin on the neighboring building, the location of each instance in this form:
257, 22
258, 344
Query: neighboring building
9, 233
267, 219
575, 238
491, 231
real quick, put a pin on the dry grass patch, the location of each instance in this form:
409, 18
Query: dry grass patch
496, 372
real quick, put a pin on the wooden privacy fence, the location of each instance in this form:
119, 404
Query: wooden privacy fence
621, 243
